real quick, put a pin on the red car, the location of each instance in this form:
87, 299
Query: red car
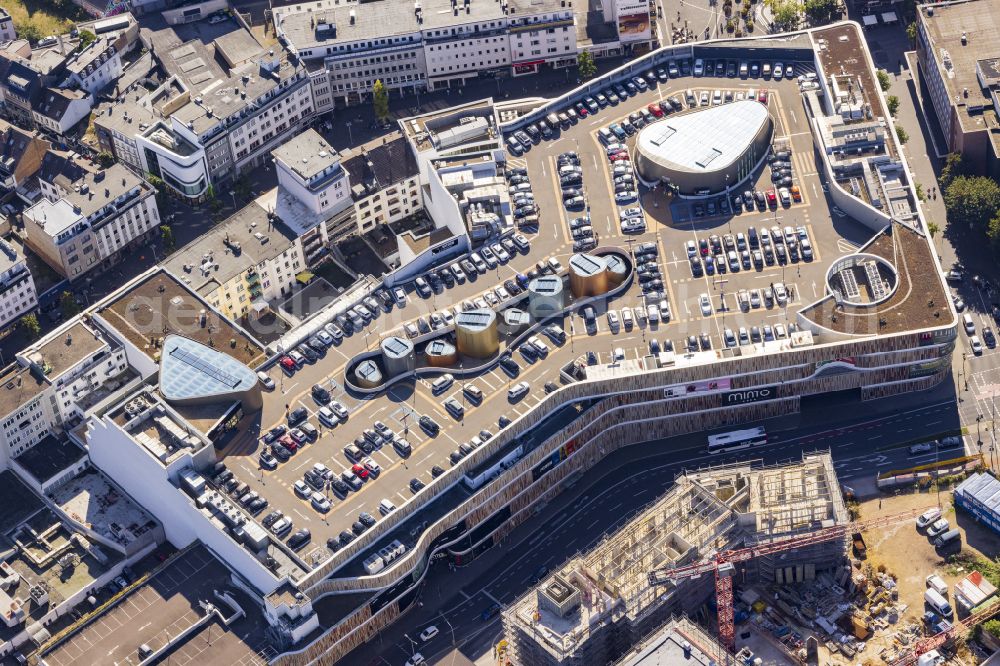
620, 157
581, 110
655, 110
771, 199
289, 443
762, 97
287, 364
360, 471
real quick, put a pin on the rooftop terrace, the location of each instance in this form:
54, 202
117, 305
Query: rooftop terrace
157, 304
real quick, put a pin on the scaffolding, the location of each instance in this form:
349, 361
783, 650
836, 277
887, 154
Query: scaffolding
599, 604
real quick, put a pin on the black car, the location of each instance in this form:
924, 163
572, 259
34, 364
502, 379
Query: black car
503, 422
534, 133
340, 489
358, 527
321, 395
272, 518
299, 539
309, 353
429, 425
510, 366
346, 538
281, 453
257, 505
274, 433
416, 485
436, 471
367, 519
297, 415
333, 544
696, 269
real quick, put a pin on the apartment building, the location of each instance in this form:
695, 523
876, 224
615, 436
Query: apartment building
107, 214
313, 196
425, 45
17, 287
21, 154
95, 66
241, 264
51, 384
959, 57
59, 171
224, 106
385, 182
59, 109
7, 32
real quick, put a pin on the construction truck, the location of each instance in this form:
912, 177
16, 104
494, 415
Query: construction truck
858, 546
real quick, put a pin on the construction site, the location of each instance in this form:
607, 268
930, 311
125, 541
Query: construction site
598, 605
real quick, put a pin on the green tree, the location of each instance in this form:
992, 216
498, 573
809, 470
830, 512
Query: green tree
167, 236
586, 65
785, 13
972, 201
29, 323
954, 166
820, 11
86, 38
911, 33
30, 32
68, 304
901, 134
933, 229
380, 100
993, 231
105, 159
920, 191
893, 103
884, 80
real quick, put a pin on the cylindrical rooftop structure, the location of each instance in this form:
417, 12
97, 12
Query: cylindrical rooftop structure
476, 333
368, 374
588, 275
398, 356
545, 296
441, 354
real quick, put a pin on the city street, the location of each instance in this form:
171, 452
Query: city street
610, 494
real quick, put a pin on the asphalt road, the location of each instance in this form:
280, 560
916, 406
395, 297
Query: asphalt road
611, 493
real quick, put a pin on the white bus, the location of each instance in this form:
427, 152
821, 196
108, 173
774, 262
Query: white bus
737, 439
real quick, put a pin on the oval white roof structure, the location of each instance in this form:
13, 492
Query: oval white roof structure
191, 371
705, 140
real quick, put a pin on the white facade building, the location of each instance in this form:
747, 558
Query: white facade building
96, 66
7, 32
17, 287
92, 228
429, 44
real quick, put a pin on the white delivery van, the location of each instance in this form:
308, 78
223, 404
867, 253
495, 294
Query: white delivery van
934, 599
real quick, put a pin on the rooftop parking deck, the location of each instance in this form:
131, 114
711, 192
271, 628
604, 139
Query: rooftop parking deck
736, 308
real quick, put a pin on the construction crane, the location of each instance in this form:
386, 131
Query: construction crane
723, 564
925, 645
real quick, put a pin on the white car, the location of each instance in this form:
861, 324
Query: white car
428, 633
928, 517
626, 196
706, 305
627, 318
416, 660
755, 300
612, 319
692, 249
634, 211
518, 391
977, 346
778, 71
266, 380
664, 311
